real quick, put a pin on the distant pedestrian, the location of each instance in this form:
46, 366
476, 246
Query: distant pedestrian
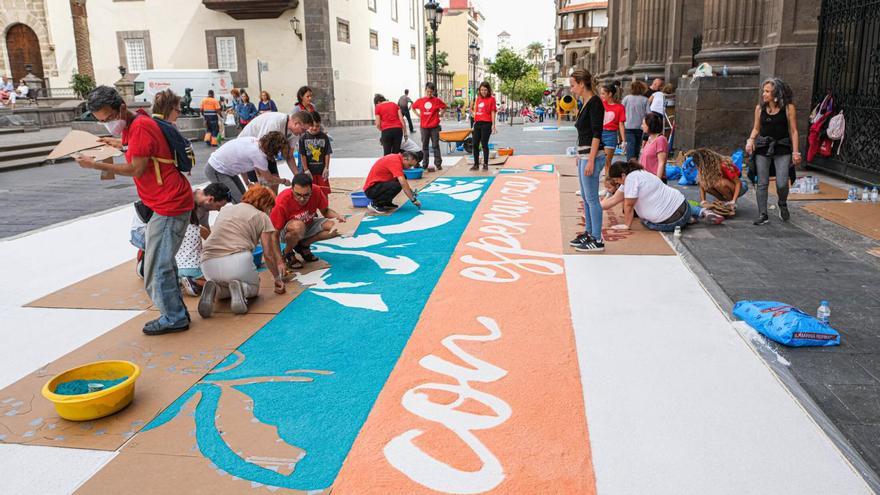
246, 110
613, 131
162, 189
428, 109
774, 141
211, 112
591, 159
656, 85
636, 106
405, 102
485, 111
235, 103
389, 122
303, 100
266, 103
657, 100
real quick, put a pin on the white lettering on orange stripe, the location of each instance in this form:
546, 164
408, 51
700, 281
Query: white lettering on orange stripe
423, 468
508, 255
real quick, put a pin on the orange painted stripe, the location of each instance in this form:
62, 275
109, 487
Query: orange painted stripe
486, 397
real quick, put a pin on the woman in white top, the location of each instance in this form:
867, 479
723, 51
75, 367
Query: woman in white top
231, 162
659, 206
657, 101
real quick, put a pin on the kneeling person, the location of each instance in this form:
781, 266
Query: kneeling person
386, 179
295, 216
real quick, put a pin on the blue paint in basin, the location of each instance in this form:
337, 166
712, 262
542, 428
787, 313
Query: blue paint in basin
79, 387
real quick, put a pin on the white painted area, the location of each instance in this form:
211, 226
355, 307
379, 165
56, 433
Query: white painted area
677, 402
461, 190
396, 265
361, 241
47, 470
372, 302
426, 219
318, 280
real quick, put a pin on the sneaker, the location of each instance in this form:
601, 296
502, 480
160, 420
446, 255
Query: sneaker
376, 208
439, 167
154, 327
590, 246
712, 217
190, 287
238, 303
579, 239
784, 213
485, 168
206, 303
390, 206
762, 220
474, 167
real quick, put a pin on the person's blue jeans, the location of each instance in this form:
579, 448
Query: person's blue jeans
681, 222
633, 142
590, 195
164, 237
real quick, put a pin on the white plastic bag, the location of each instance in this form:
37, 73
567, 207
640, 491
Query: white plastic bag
703, 70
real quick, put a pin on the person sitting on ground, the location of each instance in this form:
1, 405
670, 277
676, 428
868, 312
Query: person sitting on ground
227, 254
295, 217
292, 126
188, 257
316, 149
386, 179
211, 198
230, 164
659, 206
653, 156
718, 176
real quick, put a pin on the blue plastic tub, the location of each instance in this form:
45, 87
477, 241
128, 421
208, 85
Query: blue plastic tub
359, 199
258, 256
413, 173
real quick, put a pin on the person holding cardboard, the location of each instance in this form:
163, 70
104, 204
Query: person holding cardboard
161, 187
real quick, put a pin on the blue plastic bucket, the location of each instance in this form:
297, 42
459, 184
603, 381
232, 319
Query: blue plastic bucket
258, 256
359, 199
413, 173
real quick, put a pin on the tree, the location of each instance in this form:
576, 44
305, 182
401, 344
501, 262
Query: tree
530, 89
442, 63
510, 69
535, 52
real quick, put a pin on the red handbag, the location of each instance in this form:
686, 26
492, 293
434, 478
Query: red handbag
825, 147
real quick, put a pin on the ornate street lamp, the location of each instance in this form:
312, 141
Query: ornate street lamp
434, 12
474, 54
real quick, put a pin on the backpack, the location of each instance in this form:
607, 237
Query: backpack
181, 149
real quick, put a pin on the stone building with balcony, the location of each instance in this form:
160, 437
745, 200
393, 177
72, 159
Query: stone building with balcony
578, 26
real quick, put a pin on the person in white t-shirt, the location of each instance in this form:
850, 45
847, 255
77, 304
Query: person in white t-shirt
660, 207
292, 126
230, 164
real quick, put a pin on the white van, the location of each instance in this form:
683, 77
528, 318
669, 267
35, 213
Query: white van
149, 82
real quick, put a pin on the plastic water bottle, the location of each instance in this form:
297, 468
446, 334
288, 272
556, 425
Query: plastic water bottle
866, 195
851, 194
724, 71
823, 314
677, 232
875, 195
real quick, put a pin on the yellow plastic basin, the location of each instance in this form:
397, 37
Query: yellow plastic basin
94, 405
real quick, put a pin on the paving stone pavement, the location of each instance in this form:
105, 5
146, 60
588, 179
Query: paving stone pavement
801, 263
38, 197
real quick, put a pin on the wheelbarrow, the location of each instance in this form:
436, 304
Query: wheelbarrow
456, 138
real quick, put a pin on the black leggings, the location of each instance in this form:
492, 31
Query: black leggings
482, 131
391, 139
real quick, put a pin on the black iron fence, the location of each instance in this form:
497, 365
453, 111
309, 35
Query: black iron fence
848, 68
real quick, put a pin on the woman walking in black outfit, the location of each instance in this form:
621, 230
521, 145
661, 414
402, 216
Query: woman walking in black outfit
485, 110
774, 140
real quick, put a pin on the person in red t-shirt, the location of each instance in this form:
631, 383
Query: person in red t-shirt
161, 187
296, 220
485, 110
389, 121
386, 179
428, 108
615, 118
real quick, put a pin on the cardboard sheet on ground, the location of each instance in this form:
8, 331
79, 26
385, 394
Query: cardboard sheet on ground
860, 217
498, 160
85, 143
827, 192
566, 165
121, 288
170, 364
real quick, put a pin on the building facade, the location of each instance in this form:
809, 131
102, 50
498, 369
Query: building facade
461, 25
346, 50
578, 26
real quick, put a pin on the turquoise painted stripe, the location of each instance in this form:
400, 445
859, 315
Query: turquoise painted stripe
359, 347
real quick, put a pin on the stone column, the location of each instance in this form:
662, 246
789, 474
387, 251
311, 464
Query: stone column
81, 38
732, 35
652, 31
685, 24
627, 51
608, 48
319, 61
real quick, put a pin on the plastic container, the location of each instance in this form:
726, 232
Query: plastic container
875, 195
359, 199
258, 256
94, 405
823, 314
413, 173
505, 151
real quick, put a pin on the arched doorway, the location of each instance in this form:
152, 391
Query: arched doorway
23, 48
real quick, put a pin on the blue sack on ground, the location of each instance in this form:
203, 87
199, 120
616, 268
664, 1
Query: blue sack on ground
688, 173
737, 158
786, 324
673, 172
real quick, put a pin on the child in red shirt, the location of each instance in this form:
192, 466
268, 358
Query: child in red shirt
615, 118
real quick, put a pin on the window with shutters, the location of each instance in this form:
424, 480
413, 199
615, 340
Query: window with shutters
136, 55
227, 56
374, 40
343, 33
412, 52
395, 47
